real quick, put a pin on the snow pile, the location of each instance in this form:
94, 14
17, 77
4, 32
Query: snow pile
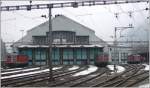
146, 67
145, 86
55, 68
12, 69
29, 73
119, 68
20, 70
88, 71
73, 68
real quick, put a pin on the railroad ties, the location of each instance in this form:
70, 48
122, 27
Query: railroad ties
101, 77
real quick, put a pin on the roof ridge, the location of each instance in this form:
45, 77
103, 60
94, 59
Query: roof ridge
78, 23
64, 17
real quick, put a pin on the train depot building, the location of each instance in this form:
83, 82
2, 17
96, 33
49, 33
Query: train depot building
73, 43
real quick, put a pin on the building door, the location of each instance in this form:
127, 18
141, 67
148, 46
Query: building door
55, 56
68, 56
40, 56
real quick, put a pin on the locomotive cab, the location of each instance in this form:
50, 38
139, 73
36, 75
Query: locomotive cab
16, 60
135, 59
101, 60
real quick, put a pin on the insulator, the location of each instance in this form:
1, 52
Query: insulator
17, 7
146, 9
74, 4
104, 2
130, 14
130, 25
43, 16
29, 7
30, 1
116, 15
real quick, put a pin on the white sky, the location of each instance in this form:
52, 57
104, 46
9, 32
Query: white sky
99, 18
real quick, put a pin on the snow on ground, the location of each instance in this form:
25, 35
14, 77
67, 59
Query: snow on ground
73, 68
119, 68
13, 69
88, 71
29, 73
145, 86
55, 68
21, 70
146, 67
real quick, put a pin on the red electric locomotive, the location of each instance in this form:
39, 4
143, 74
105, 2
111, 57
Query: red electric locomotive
102, 60
16, 60
135, 59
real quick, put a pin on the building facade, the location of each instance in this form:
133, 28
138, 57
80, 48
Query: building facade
73, 43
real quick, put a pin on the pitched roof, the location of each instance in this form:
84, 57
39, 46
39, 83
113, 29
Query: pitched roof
62, 23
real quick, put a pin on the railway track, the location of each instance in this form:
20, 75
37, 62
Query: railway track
38, 78
103, 78
16, 69
64, 78
23, 68
28, 70
12, 80
70, 80
82, 79
3, 80
127, 82
22, 71
119, 78
134, 79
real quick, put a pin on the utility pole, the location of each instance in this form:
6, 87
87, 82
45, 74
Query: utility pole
115, 49
116, 44
149, 34
0, 36
50, 37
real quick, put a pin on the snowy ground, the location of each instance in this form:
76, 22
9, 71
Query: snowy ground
146, 67
88, 71
29, 73
73, 68
55, 68
119, 68
13, 69
145, 86
21, 70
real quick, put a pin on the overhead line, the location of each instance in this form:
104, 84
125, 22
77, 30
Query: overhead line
68, 4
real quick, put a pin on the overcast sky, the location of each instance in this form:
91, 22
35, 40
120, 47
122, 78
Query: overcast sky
101, 19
